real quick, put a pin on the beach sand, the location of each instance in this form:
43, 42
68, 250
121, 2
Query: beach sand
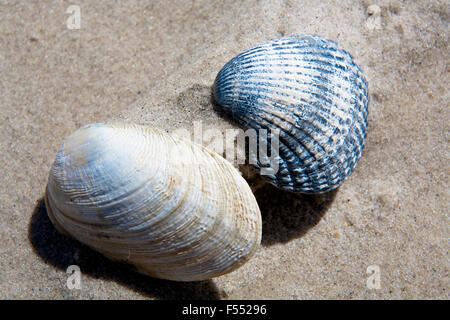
154, 64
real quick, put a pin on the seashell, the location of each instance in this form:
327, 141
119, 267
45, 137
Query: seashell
171, 208
311, 93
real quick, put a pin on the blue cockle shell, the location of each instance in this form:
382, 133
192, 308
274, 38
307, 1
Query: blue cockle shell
313, 94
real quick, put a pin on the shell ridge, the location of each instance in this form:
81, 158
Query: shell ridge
312, 172
288, 140
286, 149
261, 85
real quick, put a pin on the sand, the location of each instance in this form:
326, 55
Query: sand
154, 64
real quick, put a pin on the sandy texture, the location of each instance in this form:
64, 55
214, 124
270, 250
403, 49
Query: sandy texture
154, 64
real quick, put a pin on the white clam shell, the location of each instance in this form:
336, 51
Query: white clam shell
172, 208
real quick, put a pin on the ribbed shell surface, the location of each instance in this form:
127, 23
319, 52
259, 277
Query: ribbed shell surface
313, 94
170, 207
